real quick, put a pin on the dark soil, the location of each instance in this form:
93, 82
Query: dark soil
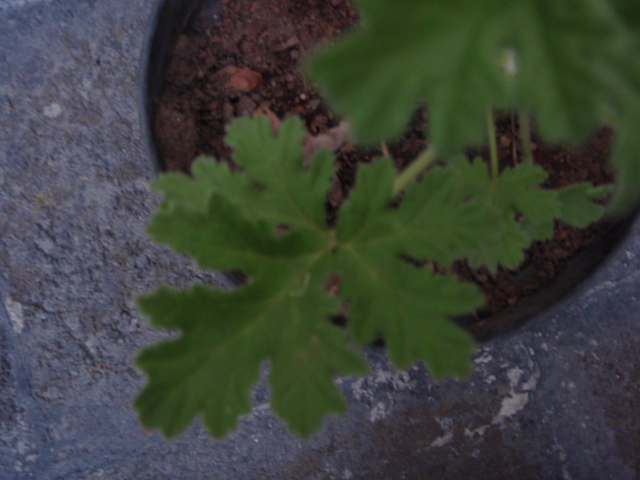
246, 56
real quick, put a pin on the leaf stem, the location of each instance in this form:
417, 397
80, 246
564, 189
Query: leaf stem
410, 173
493, 144
525, 136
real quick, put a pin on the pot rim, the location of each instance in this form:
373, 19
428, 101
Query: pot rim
154, 59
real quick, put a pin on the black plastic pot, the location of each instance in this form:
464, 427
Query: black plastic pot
172, 16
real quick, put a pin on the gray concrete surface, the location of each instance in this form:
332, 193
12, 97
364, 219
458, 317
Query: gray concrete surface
558, 399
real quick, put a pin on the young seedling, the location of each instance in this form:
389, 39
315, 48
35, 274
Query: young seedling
566, 61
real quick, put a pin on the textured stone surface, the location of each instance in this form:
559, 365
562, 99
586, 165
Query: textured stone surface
557, 399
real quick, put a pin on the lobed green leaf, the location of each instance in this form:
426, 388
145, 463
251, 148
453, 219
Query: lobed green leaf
411, 51
222, 239
409, 307
514, 192
289, 192
576, 207
269, 221
229, 220
556, 58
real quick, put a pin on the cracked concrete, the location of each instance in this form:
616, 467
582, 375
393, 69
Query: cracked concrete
556, 399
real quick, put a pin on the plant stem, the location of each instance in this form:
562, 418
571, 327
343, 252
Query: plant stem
410, 173
493, 144
525, 137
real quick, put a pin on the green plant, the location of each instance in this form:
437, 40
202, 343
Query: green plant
566, 61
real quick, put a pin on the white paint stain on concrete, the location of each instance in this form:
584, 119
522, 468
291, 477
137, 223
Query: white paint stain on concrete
52, 111
16, 315
514, 376
532, 382
514, 402
518, 397
399, 380
477, 431
442, 440
490, 379
378, 412
369, 389
364, 387
359, 391
484, 358
446, 423
510, 406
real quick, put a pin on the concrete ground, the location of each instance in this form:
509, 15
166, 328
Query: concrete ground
558, 399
